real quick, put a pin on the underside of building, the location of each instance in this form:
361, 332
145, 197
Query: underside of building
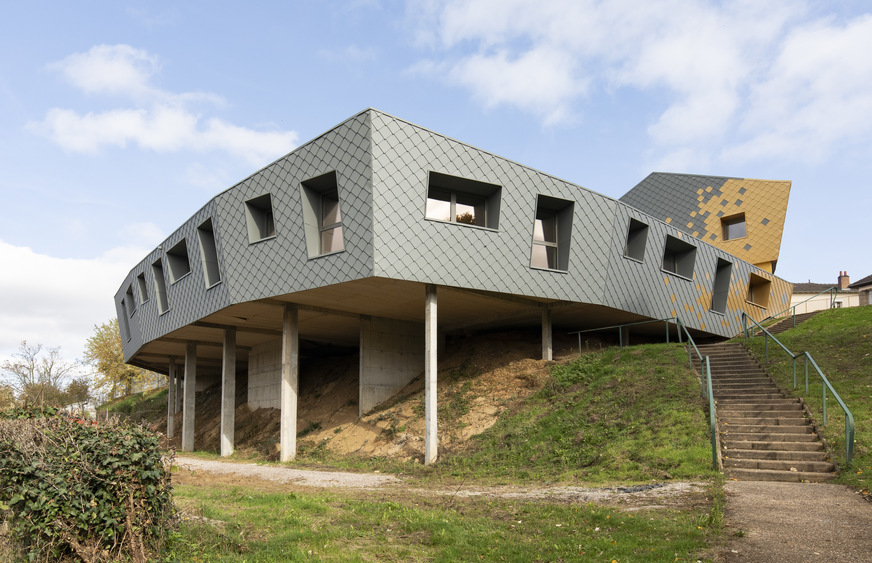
384, 236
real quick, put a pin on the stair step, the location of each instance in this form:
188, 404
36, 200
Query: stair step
776, 475
731, 444
759, 413
720, 396
774, 429
814, 455
781, 465
769, 436
770, 421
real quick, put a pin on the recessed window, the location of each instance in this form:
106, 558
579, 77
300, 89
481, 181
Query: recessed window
679, 257
721, 289
637, 238
734, 226
143, 289
208, 253
130, 302
552, 231
322, 215
160, 287
122, 320
461, 200
259, 218
177, 260
758, 290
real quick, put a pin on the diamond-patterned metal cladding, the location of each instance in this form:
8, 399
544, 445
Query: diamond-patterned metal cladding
382, 165
696, 204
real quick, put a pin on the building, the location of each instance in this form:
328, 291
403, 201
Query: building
863, 288
385, 236
810, 297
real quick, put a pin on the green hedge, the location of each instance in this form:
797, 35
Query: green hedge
76, 489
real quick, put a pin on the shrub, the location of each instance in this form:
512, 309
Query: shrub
81, 490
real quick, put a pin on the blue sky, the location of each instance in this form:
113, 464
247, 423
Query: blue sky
118, 120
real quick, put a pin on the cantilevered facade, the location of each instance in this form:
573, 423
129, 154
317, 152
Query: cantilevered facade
382, 235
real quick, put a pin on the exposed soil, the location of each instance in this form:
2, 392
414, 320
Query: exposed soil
479, 378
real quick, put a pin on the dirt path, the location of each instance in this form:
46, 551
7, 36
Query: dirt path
796, 522
196, 471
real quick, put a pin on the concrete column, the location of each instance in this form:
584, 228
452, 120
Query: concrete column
228, 392
547, 335
290, 382
190, 397
172, 376
431, 350
178, 402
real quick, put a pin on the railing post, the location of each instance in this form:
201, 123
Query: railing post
745, 326
766, 335
667, 331
794, 372
806, 373
824, 387
620, 337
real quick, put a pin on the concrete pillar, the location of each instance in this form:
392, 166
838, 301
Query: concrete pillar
228, 392
172, 376
290, 382
178, 406
547, 335
431, 351
190, 397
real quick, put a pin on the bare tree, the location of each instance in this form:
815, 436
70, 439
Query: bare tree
37, 374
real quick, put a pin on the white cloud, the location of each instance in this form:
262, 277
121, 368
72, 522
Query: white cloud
159, 120
56, 301
816, 95
766, 78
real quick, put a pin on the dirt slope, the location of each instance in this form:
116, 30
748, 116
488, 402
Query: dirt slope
479, 378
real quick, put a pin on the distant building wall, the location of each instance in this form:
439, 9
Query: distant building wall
265, 375
391, 355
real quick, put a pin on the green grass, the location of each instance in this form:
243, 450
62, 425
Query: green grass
840, 340
613, 415
258, 526
148, 405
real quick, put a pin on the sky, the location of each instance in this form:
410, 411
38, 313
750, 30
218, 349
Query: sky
120, 119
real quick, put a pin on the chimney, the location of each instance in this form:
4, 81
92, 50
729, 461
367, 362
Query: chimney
844, 280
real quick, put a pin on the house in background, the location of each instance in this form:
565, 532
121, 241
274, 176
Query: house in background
863, 288
810, 297
384, 237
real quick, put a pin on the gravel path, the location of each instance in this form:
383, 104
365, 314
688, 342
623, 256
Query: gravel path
796, 522
636, 497
288, 475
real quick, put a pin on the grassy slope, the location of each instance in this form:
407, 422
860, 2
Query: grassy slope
611, 416
614, 415
840, 340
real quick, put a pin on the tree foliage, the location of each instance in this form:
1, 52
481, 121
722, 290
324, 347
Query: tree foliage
113, 377
37, 374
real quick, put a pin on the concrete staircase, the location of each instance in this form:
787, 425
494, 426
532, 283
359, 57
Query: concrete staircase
765, 435
787, 323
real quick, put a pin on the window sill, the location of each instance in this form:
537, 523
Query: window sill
174, 282
718, 313
164, 313
759, 306
326, 254
677, 275
143, 303
250, 242
630, 258
552, 270
479, 227
217, 283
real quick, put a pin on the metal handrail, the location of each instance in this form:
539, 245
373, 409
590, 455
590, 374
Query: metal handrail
849, 418
707, 392
833, 291
621, 332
